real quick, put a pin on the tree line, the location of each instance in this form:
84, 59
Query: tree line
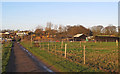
62, 31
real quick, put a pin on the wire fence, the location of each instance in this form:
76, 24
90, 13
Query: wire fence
101, 55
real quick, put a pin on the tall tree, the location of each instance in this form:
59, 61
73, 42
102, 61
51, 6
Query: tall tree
97, 29
49, 26
39, 30
77, 29
60, 28
55, 27
110, 30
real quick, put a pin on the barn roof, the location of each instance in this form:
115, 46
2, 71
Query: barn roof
6, 33
77, 35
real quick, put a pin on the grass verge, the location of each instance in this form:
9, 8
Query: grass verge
6, 51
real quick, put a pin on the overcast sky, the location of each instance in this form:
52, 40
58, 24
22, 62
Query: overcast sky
28, 15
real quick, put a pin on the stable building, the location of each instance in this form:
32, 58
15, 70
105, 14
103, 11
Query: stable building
79, 37
106, 38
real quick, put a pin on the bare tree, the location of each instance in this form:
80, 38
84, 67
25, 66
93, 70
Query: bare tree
39, 27
55, 27
39, 30
77, 29
49, 25
97, 29
110, 30
60, 28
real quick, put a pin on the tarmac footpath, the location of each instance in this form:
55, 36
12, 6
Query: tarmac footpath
23, 61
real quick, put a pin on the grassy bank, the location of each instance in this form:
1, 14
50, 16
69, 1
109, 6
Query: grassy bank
6, 51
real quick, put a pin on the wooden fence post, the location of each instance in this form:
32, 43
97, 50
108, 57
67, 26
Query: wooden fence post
62, 45
84, 54
65, 49
116, 42
31, 40
39, 44
55, 49
48, 46
43, 46
80, 43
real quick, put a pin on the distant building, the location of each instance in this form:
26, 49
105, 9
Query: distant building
69, 38
106, 38
79, 37
89, 37
6, 33
21, 34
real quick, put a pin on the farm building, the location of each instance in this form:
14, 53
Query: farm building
5, 35
106, 38
79, 37
21, 34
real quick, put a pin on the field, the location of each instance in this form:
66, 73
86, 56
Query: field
79, 56
6, 50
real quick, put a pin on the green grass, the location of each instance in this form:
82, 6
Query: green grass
6, 50
98, 55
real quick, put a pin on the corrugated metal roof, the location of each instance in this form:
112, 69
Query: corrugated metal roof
78, 35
